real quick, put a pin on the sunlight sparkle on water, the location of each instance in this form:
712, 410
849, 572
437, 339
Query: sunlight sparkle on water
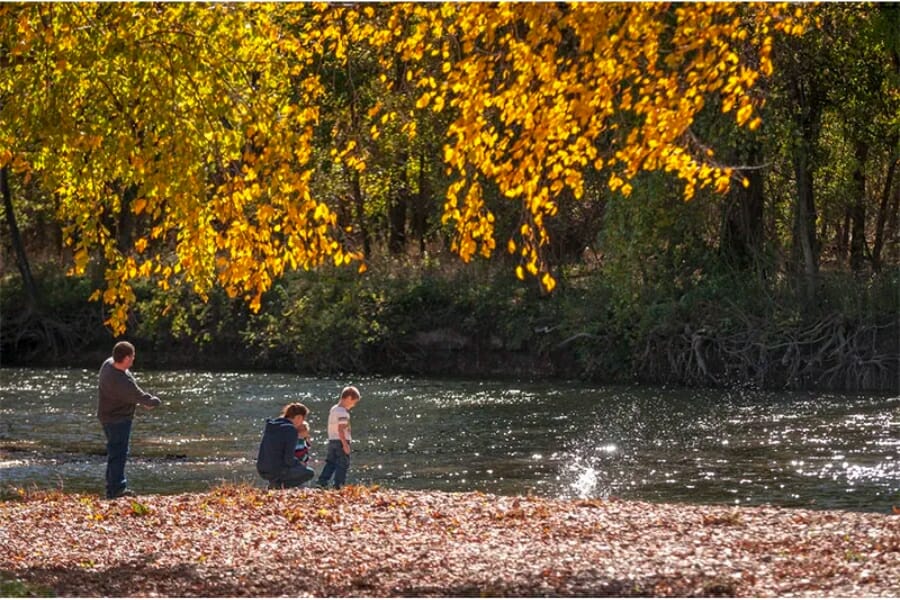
586, 483
823, 450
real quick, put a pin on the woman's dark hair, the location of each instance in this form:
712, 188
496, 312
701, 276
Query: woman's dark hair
293, 409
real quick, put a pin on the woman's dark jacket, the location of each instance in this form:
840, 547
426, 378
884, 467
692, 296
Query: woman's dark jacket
276, 450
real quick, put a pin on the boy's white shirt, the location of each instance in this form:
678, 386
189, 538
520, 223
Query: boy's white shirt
336, 416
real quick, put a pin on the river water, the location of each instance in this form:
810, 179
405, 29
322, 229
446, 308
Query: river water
820, 450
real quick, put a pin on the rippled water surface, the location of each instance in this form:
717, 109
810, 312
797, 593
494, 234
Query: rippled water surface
547, 439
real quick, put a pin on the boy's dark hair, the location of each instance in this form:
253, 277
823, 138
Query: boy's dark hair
293, 409
350, 392
122, 350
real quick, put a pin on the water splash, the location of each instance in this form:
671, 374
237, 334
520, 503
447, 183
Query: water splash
587, 475
585, 485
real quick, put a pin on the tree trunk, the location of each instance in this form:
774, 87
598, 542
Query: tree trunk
28, 284
125, 226
806, 97
805, 246
858, 210
742, 229
419, 208
397, 219
883, 211
892, 225
355, 184
361, 214
397, 208
843, 236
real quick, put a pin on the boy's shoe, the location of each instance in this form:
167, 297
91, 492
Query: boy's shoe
318, 485
126, 493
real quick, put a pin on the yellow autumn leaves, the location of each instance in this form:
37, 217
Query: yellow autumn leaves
204, 118
542, 93
545, 92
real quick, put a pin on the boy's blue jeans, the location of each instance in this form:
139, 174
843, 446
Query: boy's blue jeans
336, 463
117, 439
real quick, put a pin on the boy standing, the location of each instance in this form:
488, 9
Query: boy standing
337, 459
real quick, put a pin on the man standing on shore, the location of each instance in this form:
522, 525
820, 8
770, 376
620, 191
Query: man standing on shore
118, 397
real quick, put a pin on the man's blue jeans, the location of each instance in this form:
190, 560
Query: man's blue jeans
118, 436
336, 463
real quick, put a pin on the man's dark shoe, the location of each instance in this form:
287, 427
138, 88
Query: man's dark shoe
126, 493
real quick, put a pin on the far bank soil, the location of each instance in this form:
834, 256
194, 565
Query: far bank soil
241, 541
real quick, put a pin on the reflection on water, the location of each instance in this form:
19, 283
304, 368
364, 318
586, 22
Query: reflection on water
550, 439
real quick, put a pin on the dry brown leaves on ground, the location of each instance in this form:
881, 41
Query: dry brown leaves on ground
241, 541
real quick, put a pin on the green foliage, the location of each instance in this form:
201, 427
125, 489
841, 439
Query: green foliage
479, 321
654, 246
177, 325
12, 587
62, 324
592, 338
868, 298
57, 292
395, 322
315, 323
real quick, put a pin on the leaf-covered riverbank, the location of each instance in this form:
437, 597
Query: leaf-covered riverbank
240, 541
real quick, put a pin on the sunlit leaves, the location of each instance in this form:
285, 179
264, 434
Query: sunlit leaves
190, 106
199, 121
240, 541
542, 93
139, 509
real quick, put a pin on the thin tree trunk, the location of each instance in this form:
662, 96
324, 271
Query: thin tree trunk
805, 223
890, 231
355, 182
883, 211
420, 207
843, 236
858, 210
806, 97
21, 257
361, 214
397, 208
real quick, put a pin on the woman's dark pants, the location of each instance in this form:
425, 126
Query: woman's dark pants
293, 477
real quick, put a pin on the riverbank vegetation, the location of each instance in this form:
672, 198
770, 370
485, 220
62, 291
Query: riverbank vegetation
723, 212
245, 542
465, 323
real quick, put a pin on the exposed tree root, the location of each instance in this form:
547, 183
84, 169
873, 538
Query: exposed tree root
833, 353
